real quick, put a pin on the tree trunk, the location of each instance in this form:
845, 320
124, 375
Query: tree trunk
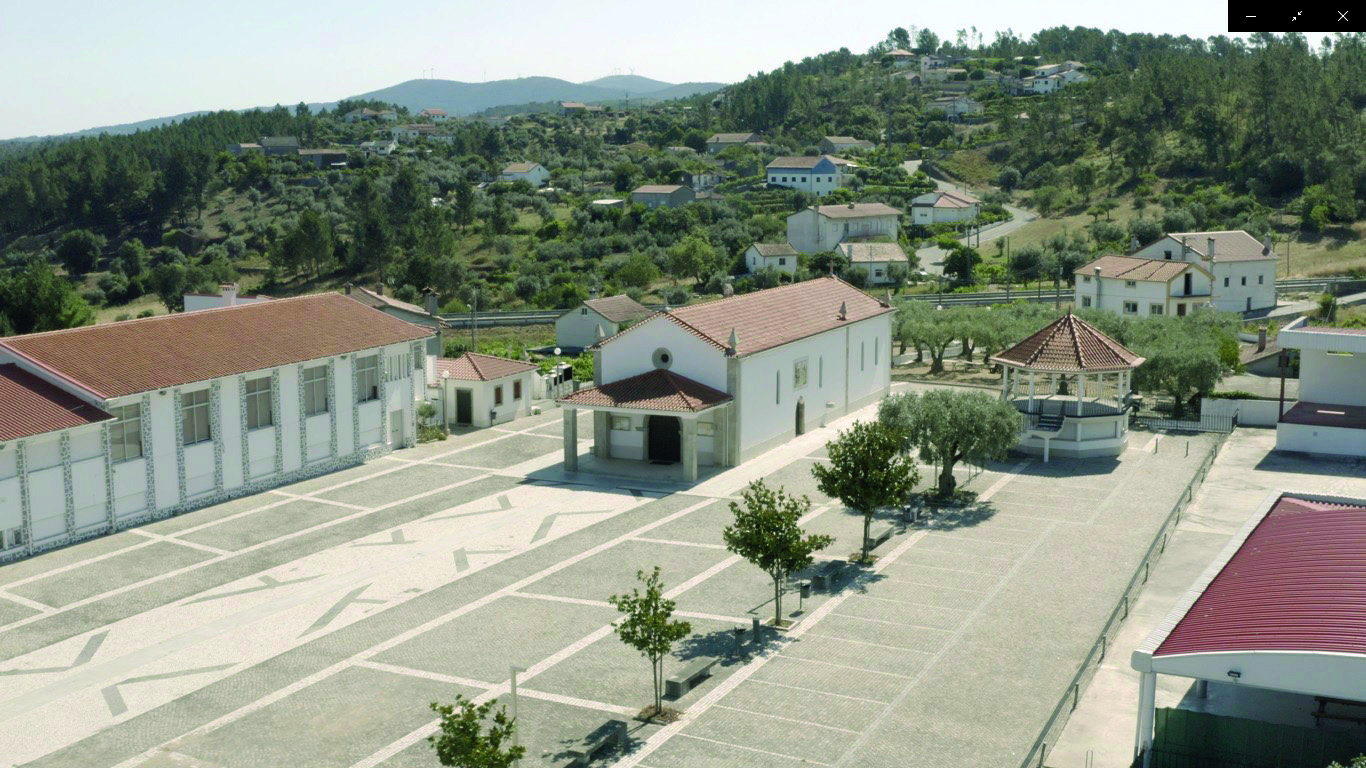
657, 670
919, 354
947, 482
867, 522
777, 603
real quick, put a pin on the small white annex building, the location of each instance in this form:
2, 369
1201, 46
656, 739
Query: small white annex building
955, 107
944, 206
833, 145
227, 296
820, 228
1133, 287
108, 426
1243, 268
379, 147
779, 256
1330, 417
534, 174
875, 258
717, 383
479, 390
596, 319
1071, 382
819, 175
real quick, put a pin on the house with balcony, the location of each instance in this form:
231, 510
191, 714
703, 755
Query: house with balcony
1242, 267
820, 228
1132, 287
107, 426
1330, 417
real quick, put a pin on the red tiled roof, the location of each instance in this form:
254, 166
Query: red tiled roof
31, 406
170, 350
776, 316
1127, 268
519, 167
870, 253
473, 366
657, 189
618, 309
1229, 245
378, 300
774, 249
1296, 583
657, 390
856, 210
1070, 345
808, 162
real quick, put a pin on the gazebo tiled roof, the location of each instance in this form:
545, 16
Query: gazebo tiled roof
1069, 345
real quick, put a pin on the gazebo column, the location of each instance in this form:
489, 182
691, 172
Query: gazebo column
1081, 391
1031, 391
571, 440
1005, 382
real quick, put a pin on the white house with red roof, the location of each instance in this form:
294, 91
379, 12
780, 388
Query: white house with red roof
942, 206
821, 228
1243, 268
1123, 285
1330, 417
820, 175
596, 319
479, 390
108, 426
716, 383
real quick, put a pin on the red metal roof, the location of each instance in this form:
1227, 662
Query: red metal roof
30, 406
656, 390
1297, 583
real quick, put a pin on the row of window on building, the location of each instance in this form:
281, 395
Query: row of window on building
795, 179
800, 375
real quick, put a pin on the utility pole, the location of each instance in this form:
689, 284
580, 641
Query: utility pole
1057, 289
474, 322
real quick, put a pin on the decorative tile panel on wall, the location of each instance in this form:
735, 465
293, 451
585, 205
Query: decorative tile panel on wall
242, 414
216, 430
64, 447
25, 511
355, 404
303, 415
107, 435
178, 404
145, 413
275, 419
332, 404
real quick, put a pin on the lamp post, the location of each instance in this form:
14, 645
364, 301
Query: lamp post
515, 669
1057, 288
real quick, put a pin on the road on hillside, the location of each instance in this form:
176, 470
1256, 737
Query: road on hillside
932, 257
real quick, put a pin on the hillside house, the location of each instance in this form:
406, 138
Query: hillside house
1141, 287
717, 383
944, 206
821, 228
237, 150
834, 145
900, 60
956, 107
778, 256
722, 141
412, 131
1244, 269
323, 159
875, 259
662, 195
818, 175
276, 146
1330, 417
360, 115
425, 317
434, 114
479, 390
596, 319
534, 174
108, 426
379, 147
578, 108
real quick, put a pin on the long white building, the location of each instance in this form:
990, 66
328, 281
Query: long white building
716, 383
1243, 268
109, 426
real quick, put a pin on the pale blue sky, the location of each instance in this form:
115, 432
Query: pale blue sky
75, 64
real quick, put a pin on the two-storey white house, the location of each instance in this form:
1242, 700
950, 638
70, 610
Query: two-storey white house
779, 256
821, 228
1330, 417
722, 141
717, 383
818, 175
875, 259
108, 426
1243, 268
534, 174
1141, 287
596, 319
944, 206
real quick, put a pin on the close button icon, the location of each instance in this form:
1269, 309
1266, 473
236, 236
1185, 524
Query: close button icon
1342, 16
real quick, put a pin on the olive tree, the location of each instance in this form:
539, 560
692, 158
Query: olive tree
946, 427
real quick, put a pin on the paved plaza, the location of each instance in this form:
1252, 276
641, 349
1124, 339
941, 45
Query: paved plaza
311, 625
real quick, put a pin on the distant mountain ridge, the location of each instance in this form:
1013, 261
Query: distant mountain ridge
459, 98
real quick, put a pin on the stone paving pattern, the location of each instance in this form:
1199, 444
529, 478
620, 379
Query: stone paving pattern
311, 625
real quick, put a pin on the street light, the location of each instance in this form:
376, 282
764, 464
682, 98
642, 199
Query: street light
515, 669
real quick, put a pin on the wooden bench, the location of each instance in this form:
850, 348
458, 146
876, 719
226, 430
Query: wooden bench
610, 732
682, 681
877, 535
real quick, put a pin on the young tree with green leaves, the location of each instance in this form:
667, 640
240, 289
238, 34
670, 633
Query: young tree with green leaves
693, 257
38, 299
946, 427
648, 627
79, 250
767, 532
462, 741
867, 471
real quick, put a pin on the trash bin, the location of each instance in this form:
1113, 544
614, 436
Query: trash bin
805, 587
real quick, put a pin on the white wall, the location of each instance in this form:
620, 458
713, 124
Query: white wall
818, 183
811, 233
1336, 441
754, 262
183, 476
482, 399
632, 354
1251, 413
1243, 291
1337, 379
579, 328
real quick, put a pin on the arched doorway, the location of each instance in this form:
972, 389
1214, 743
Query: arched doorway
801, 415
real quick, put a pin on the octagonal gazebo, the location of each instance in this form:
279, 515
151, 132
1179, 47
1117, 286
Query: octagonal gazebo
1071, 382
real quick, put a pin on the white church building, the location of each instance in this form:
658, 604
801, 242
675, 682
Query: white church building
109, 426
717, 383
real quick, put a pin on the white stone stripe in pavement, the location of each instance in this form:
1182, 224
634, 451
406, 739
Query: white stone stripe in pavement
605, 604
315, 499
677, 543
916, 603
813, 690
26, 602
395, 669
840, 666
575, 701
771, 716
181, 542
839, 639
403, 637
802, 760
885, 621
913, 582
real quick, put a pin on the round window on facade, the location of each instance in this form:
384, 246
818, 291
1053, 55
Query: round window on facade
663, 358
